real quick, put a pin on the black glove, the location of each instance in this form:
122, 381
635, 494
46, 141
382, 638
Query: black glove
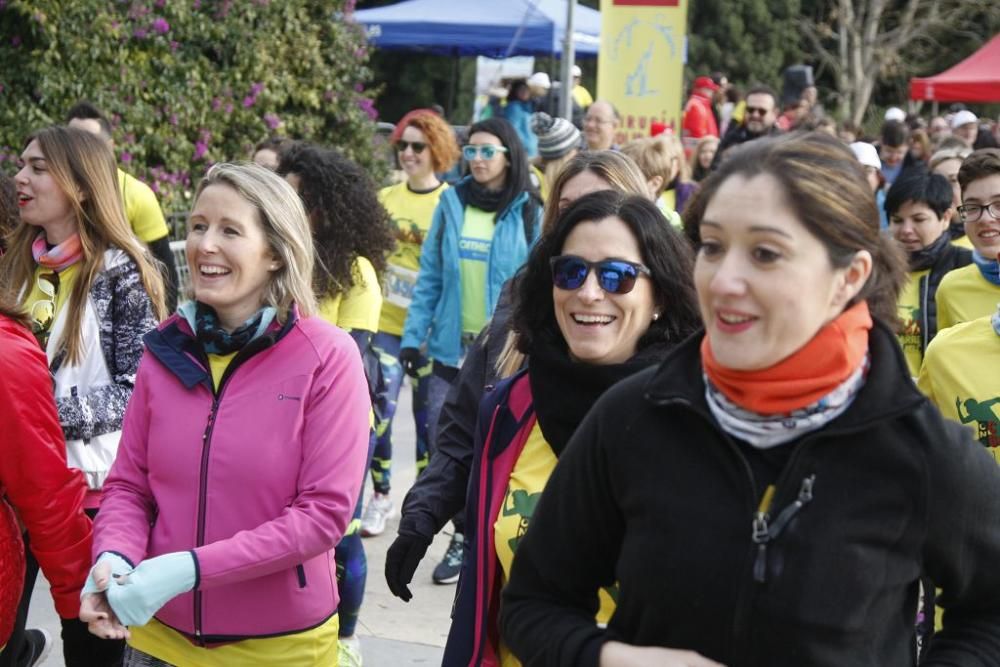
401, 562
410, 360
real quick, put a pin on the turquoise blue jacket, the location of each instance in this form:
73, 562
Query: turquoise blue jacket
518, 113
435, 313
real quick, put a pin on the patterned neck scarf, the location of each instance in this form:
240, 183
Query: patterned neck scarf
216, 340
61, 256
990, 268
767, 431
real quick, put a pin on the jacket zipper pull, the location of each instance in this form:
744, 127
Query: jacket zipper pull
765, 530
761, 534
760, 538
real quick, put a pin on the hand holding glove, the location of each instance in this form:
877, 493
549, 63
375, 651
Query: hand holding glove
94, 608
409, 359
401, 562
136, 596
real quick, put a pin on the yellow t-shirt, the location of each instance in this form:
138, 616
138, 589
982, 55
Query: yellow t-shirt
582, 96
38, 304
218, 363
912, 318
312, 648
473, 255
359, 308
527, 481
964, 242
411, 213
964, 295
959, 375
142, 209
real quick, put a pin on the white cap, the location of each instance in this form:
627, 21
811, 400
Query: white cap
539, 80
577, 72
866, 154
963, 117
895, 113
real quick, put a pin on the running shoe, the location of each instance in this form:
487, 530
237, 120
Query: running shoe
349, 651
38, 644
373, 519
450, 567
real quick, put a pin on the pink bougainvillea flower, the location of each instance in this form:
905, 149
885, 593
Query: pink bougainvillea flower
248, 102
161, 26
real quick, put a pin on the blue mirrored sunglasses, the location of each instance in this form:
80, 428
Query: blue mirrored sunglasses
486, 151
616, 276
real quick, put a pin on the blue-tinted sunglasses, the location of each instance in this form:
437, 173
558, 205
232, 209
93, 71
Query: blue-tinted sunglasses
486, 151
616, 276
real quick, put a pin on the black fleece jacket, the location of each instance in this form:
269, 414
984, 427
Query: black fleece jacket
652, 494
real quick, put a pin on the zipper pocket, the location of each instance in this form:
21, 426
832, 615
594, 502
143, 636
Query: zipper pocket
765, 530
301, 572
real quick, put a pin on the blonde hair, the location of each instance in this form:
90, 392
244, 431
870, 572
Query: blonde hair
84, 169
286, 228
656, 156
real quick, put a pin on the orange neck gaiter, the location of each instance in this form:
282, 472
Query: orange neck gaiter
814, 371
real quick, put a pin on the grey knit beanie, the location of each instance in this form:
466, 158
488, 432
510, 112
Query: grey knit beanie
556, 136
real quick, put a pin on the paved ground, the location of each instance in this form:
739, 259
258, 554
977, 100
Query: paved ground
392, 632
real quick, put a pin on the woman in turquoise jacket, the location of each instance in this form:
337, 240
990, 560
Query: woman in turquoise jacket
480, 236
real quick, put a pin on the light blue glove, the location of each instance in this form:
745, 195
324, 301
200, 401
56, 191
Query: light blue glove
119, 566
135, 597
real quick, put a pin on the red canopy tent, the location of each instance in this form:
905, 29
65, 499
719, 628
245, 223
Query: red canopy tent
975, 79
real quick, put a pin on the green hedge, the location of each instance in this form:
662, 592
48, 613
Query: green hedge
187, 82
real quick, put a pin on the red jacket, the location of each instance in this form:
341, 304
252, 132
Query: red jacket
34, 479
699, 121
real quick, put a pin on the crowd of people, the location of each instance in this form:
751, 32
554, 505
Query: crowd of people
723, 396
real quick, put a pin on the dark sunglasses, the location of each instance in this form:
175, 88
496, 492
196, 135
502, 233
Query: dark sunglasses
750, 111
417, 146
616, 276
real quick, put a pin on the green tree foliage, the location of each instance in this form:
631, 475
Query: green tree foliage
751, 41
187, 82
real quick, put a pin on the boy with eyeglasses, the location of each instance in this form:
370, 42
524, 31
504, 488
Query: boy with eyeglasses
974, 291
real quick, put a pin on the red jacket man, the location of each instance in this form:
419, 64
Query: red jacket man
699, 121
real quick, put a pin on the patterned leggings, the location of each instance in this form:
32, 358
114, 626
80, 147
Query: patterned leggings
387, 346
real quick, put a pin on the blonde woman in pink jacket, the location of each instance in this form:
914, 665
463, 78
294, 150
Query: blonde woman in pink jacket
242, 452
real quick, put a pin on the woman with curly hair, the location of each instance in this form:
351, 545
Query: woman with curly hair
353, 236
425, 146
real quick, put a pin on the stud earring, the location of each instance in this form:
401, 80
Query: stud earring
656, 316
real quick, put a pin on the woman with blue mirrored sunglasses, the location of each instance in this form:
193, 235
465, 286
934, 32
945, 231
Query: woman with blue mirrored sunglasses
580, 337
617, 276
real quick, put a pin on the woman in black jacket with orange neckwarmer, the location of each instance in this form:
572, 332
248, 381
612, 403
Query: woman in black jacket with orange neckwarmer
771, 494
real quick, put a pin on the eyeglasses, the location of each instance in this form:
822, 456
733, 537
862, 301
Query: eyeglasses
43, 311
598, 121
750, 111
972, 212
417, 146
616, 276
485, 151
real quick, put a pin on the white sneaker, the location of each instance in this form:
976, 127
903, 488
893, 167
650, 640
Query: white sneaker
379, 509
349, 651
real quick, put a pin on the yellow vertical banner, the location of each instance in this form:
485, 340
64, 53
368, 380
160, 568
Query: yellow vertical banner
641, 63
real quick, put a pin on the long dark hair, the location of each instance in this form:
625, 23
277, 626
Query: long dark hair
664, 251
347, 219
518, 170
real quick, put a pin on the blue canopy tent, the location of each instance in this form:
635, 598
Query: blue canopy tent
495, 28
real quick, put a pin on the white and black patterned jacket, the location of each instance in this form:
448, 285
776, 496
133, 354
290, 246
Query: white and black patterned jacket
91, 395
